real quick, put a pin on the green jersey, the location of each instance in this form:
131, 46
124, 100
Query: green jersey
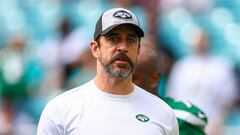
191, 120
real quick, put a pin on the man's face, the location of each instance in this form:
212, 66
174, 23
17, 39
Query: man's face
118, 51
147, 71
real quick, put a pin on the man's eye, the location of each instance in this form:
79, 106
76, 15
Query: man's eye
132, 40
114, 39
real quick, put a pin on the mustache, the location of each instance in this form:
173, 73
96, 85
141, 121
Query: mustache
122, 57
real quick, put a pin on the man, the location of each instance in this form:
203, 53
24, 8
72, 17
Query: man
191, 120
203, 78
110, 104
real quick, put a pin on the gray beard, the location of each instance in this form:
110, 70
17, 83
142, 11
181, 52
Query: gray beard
117, 73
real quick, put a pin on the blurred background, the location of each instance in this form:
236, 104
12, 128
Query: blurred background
44, 51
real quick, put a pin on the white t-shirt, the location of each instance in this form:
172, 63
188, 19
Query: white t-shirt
86, 110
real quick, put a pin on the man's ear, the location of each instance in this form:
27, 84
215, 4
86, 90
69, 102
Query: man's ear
155, 79
139, 49
94, 48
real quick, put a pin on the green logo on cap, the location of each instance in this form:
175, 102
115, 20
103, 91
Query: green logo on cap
142, 118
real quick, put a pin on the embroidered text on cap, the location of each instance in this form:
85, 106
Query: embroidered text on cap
122, 15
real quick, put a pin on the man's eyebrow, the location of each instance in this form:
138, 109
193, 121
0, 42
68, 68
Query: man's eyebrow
111, 34
132, 35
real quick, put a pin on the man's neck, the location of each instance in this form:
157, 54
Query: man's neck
114, 85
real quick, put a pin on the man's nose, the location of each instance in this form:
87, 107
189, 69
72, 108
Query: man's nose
122, 47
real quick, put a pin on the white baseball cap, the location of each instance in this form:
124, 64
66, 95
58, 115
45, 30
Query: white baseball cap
112, 18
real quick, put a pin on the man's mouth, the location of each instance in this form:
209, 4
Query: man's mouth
121, 61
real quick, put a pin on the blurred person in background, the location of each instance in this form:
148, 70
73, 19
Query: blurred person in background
105, 104
152, 9
207, 81
191, 120
237, 71
13, 83
55, 69
83, 71
19, 82
168, 59
65, 47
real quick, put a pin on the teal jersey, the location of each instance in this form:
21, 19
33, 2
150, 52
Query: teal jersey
191, 120
12, 81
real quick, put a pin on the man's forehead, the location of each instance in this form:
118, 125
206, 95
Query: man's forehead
123, 29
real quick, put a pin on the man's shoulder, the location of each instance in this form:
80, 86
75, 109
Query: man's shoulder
154, 100
70, 96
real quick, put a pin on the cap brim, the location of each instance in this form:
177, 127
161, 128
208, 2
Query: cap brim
138, 30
